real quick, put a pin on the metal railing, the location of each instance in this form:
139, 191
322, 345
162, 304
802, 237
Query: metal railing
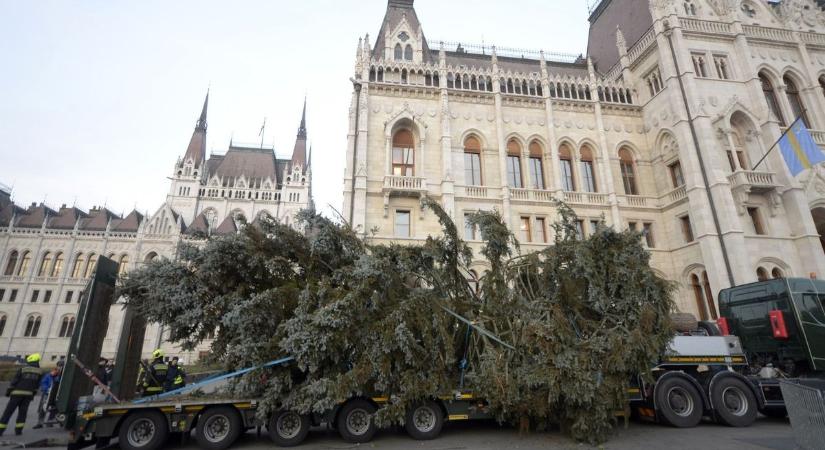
805, 402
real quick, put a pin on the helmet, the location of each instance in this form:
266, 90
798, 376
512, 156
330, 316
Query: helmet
33, 358
157, 353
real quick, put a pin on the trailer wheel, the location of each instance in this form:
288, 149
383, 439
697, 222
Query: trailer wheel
218, 428
143, 430
679, 403
733, 402
710, 328
424, 421
288, 428
355, 424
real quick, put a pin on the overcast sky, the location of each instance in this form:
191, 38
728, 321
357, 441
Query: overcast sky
98, 98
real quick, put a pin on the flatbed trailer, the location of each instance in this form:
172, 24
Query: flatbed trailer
217, 423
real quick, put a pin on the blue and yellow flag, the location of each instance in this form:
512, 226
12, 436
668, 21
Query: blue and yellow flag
799, 149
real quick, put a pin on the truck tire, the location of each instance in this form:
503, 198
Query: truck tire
423, 421
288, 428
218, 428
776, 412
679, 403
143, 430
355, 424
733, 402
710, 328
684, 322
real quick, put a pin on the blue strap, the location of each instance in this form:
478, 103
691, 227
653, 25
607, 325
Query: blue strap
213, 379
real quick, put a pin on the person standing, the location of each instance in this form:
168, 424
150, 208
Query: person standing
176, 377
21, 391
155, 380
47, 383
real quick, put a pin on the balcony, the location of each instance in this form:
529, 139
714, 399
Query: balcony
585, 198
405, 186
638, 201
674, 196
530, 195
750, 181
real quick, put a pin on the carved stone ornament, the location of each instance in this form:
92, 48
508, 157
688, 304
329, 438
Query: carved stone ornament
820, 187
723, 8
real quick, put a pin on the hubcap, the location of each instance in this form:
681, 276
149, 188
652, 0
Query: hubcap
680, 401
424, 419
734, 401
216, 428
288, 425
358, 422
141, 432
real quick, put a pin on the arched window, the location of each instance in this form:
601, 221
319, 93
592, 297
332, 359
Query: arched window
472, 161
399, 53
3, 320
408, 53
151, 257
45, 262
587, 172
11, 264
32, 326
770, 97
123, 265
537, 165
777, 274
566, 160
66, 327
690, 8
761, 274
514, 179
822, 84
77, 268
628, 172
709, 296
24, 264
57, 269
699, 295
797, 107
91, 263
403, 154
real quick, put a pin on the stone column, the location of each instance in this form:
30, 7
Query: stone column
502, 147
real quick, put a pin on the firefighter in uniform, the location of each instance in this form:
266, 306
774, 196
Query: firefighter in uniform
155, 380
21, 391
176, 377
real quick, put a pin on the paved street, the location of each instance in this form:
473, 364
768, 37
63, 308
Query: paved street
764, 434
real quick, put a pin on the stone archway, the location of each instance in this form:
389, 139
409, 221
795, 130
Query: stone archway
819, 220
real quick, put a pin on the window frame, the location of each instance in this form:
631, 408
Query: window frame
677, 175
525, 229
758, 224
686, 226
400, 213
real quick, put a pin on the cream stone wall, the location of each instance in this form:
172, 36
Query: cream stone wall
754, 38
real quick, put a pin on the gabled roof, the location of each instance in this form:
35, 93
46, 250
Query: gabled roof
198, 226
398, 10
98, 219
130, 224
244, 161
227, 226
35, 215
67, 218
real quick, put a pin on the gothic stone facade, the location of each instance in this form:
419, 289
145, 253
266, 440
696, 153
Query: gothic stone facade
47, 255
659, 128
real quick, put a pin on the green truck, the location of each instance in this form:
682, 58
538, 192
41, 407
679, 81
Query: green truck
779, 322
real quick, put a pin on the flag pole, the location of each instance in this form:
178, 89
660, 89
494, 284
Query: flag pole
777, 141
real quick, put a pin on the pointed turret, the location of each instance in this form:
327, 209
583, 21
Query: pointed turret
401, 28
197, 144
299, 153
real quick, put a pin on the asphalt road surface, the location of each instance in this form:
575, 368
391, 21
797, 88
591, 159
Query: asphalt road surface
774, 434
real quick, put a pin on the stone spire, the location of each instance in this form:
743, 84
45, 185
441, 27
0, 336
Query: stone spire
197, 144
299, 153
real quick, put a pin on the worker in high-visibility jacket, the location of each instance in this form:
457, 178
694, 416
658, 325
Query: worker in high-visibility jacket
176, 377
155, 380
21, 392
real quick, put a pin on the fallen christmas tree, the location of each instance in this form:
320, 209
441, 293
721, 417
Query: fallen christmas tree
549, 337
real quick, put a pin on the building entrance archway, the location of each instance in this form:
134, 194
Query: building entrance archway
819, 220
